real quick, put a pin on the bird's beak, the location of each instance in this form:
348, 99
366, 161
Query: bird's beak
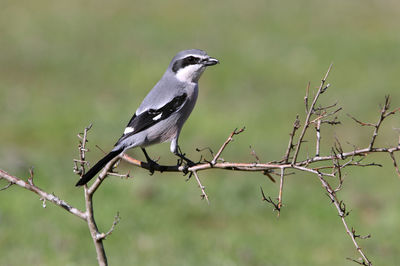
210, 61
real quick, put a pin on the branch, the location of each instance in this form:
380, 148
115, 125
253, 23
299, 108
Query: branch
258, 167
323, 166
43, 195
104, 235
270, 201
88, 216
395, 163
296, 126
318, 130
203, 193
230, 138
97, 237
321, 89
341, 208
280, 191
318, 117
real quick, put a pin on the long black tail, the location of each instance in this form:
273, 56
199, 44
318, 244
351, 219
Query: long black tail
97, 167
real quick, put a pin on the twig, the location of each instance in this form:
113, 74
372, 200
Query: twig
119, 175
230, 138
359, 122
82, 147
30, 178
296, 126
395, 163
306, 97
267, 173
7, 186
280, 191
383, 115
116, 221
253, 152
94, 231
203, 192
321, 89
341, 208
359, 261
318, 130
269, 200
44, 195
97, 237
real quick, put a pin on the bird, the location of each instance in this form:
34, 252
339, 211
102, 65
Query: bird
162, 113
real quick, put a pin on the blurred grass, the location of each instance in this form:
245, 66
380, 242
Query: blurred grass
64, 65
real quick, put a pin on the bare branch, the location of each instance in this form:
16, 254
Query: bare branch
30, 178
230, 138
103, 174
341, 208
306, 97
381, 118
359, 122
296, 126
325, 167
260, 166
310, 112
359, 261
119, 175
270, 201
280, 191
104, 235
43, 195
318, 130
203, 192
94, 231
97, 237
395, 163
253, 152
7, 186
267, 173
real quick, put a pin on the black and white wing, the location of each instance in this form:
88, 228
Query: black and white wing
151, 117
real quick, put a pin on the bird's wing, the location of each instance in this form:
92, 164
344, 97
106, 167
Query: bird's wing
151, 117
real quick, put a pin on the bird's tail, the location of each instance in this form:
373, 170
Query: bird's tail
97, 167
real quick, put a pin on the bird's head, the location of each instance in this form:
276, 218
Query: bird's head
188, 65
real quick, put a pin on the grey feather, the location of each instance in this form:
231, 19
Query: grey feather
162, 113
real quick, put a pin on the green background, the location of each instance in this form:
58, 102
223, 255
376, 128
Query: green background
66, 64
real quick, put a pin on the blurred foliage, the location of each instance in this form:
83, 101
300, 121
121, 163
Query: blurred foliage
65, 64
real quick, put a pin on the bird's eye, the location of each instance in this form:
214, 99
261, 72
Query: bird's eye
192, 59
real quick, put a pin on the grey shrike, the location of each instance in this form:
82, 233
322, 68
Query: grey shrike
164, 110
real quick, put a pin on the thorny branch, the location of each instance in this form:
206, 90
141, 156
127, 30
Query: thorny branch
79, 169
395, 163
44, 196
104, 235
296, 126
87, 215
229, 139
335, 162
281, 190
270, 201
343, 213
322, 88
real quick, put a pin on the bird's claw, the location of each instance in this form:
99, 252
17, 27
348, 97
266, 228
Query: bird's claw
185, 169
152, 166
185, 163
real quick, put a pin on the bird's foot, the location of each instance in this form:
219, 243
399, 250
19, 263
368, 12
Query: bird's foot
152, 165
186, 163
